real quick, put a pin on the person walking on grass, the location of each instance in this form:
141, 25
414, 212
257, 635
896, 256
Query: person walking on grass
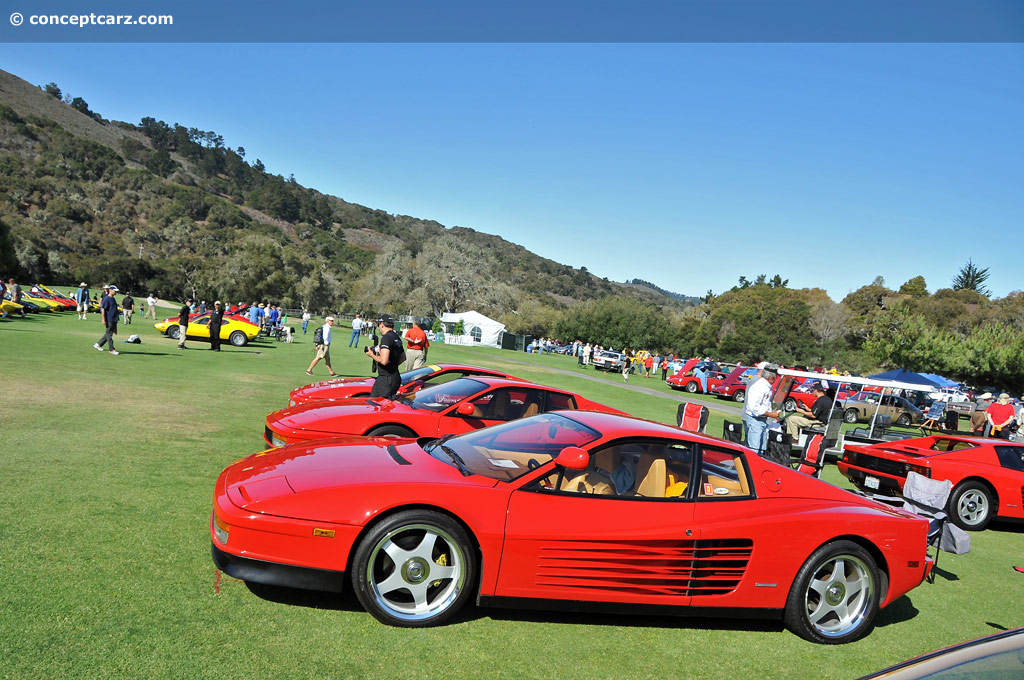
128, 307
82, 300
322, 346
357, 328
183, 314
108, 314
151, 307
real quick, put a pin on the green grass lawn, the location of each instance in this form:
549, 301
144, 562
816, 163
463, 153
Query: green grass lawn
105, 569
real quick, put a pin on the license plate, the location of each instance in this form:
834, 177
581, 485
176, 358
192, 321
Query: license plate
871, 482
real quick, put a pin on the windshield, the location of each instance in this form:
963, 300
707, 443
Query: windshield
506, 452
440, 397
409, 376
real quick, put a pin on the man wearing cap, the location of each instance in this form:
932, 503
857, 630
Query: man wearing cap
82, 300
323, 348
757, 407
183, 314
388, 356
357, 328
108, 314
806, 417
216, 319
979, 419
1000, 415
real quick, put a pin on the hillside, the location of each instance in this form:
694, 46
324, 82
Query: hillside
172, 210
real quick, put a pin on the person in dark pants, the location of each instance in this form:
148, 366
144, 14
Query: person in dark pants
216, 319
186, 309
388, 355
108, 314
128, 307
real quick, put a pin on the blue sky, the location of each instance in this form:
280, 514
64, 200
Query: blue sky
687, 165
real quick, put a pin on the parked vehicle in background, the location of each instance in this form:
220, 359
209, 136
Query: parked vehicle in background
608, 360
862, 406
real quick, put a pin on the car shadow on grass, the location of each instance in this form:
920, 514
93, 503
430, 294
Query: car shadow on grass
312, 599
683, 622
899, 611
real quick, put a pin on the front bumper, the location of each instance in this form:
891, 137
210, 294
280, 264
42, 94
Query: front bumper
275, 574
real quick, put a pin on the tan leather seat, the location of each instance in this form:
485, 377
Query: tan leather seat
500, 406
532, 409
653, 478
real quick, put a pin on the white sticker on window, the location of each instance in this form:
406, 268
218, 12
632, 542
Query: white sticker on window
502, 463
720, 491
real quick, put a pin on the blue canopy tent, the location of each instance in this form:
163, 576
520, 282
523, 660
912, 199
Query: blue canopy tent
927, 382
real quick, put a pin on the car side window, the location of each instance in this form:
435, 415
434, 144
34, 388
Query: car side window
723, 474
507, 403
442, 378
638, 469
559, 401
205, 321
1011, 457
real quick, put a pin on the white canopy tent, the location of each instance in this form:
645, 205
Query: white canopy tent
478, 329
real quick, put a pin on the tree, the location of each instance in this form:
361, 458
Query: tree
460, 328
52, 90
915, 287
828, 321
971, 277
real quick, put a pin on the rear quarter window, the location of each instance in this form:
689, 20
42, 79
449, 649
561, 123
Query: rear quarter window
1011, 457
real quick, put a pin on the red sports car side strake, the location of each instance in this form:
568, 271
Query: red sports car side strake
454, 407
987, 474
425, 376
571, 510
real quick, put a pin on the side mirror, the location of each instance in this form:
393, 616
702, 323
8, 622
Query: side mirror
466, 409
574, 458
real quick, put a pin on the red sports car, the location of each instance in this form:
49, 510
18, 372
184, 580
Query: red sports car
450, 408
735, 384
987, 474
691, 383
346, 388
573, 510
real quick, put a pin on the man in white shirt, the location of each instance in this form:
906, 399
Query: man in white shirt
323, 349
357, 327
757, 407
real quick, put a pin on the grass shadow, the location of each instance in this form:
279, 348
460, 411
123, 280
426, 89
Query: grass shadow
682, 622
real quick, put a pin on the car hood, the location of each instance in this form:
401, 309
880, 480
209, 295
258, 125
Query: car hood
337, 417
338, 388
311, 480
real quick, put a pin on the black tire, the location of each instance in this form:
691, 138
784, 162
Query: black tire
390, 431
971, 506
739, 395
238, 339
834, 598
903, 420
174, 332
692, 387
851, 415
434, 581
789, 405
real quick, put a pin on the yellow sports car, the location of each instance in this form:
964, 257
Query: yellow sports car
9, 307
232, 330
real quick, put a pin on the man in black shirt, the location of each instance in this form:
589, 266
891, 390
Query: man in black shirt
183, 314
816, 416
216, 319
388, 355
128, 307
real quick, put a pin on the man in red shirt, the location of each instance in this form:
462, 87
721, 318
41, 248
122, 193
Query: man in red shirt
1000, 415
416, 345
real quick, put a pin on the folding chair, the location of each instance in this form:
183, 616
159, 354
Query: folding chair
732, 432
927, 497
692, 416
779, 448
814, 457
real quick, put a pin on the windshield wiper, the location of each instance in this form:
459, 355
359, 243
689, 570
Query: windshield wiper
459, 463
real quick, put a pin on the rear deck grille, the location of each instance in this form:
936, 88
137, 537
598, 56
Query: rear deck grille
883, 465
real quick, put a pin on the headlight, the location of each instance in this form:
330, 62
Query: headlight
220, 530
291, 402
275, 440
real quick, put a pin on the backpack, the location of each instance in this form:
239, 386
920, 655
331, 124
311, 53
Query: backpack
318, 336
401, 353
